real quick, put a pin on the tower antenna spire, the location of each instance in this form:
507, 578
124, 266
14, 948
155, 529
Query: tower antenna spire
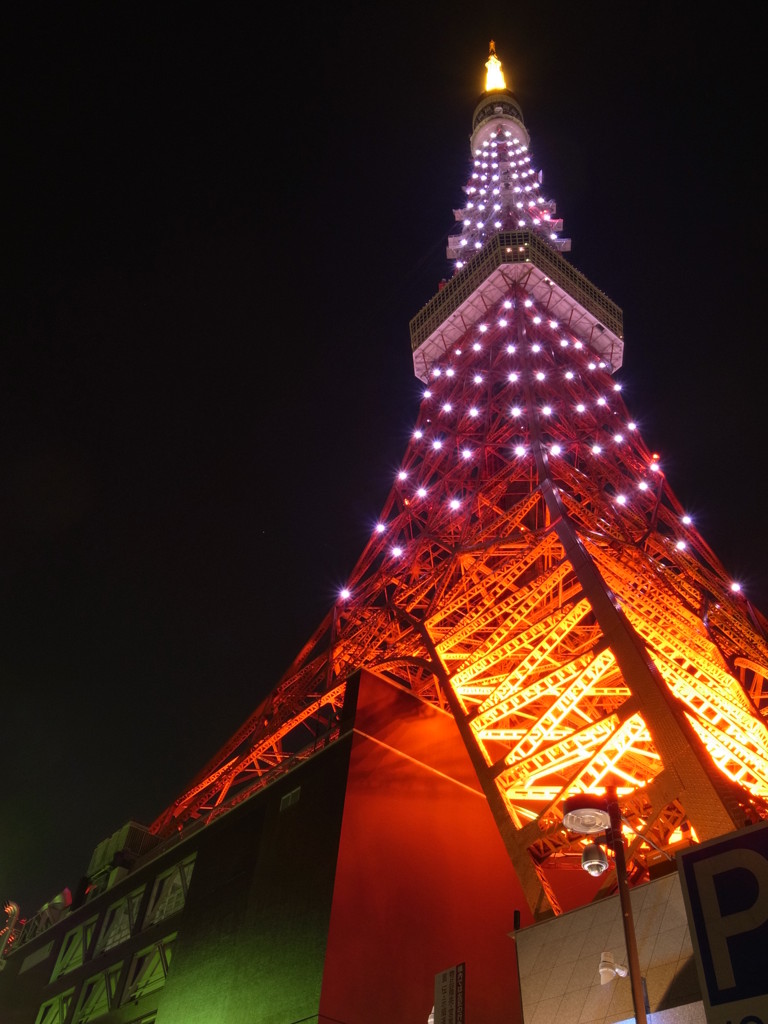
494, 77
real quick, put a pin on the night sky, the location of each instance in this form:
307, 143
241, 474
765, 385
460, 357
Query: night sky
217, 234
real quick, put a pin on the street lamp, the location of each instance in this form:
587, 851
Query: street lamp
590, 815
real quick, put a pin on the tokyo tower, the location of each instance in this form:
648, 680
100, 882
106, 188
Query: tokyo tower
532, 571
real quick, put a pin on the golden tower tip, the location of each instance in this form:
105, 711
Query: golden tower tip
494, 77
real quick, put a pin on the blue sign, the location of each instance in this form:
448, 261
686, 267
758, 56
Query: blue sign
725, 887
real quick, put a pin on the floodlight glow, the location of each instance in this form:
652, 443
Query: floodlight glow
494, 74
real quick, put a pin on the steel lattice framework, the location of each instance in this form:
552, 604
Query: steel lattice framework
534, 574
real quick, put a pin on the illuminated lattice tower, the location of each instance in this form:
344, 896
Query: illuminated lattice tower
532, 570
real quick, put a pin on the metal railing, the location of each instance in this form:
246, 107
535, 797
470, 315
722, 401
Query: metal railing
506, 248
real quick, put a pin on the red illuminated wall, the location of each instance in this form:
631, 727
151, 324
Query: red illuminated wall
423, 880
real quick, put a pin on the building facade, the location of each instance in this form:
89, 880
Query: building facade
336, 894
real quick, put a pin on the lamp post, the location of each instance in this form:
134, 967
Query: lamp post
590, 815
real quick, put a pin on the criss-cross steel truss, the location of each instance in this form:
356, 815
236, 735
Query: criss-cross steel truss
534, 574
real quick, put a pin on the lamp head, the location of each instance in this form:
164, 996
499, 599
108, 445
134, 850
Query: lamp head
586, 813
594, 860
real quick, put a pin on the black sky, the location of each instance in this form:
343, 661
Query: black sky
217, 234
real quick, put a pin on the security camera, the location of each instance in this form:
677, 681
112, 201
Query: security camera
609, 969
594, 860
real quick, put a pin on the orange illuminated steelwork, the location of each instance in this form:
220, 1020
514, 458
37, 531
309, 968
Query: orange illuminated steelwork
534, 573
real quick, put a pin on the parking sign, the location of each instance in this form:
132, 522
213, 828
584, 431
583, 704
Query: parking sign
725, 887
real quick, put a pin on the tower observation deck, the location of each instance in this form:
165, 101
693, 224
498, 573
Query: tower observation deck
532, 572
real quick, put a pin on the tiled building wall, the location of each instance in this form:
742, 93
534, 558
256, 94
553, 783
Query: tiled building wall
558, 961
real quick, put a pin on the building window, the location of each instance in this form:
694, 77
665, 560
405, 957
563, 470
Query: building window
149, 969
54, 1011
74, 948
37, 957
289, 799
119, 922
98, 995
169, 894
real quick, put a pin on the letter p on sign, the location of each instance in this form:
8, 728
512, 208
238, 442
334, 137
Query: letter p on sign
725, 887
